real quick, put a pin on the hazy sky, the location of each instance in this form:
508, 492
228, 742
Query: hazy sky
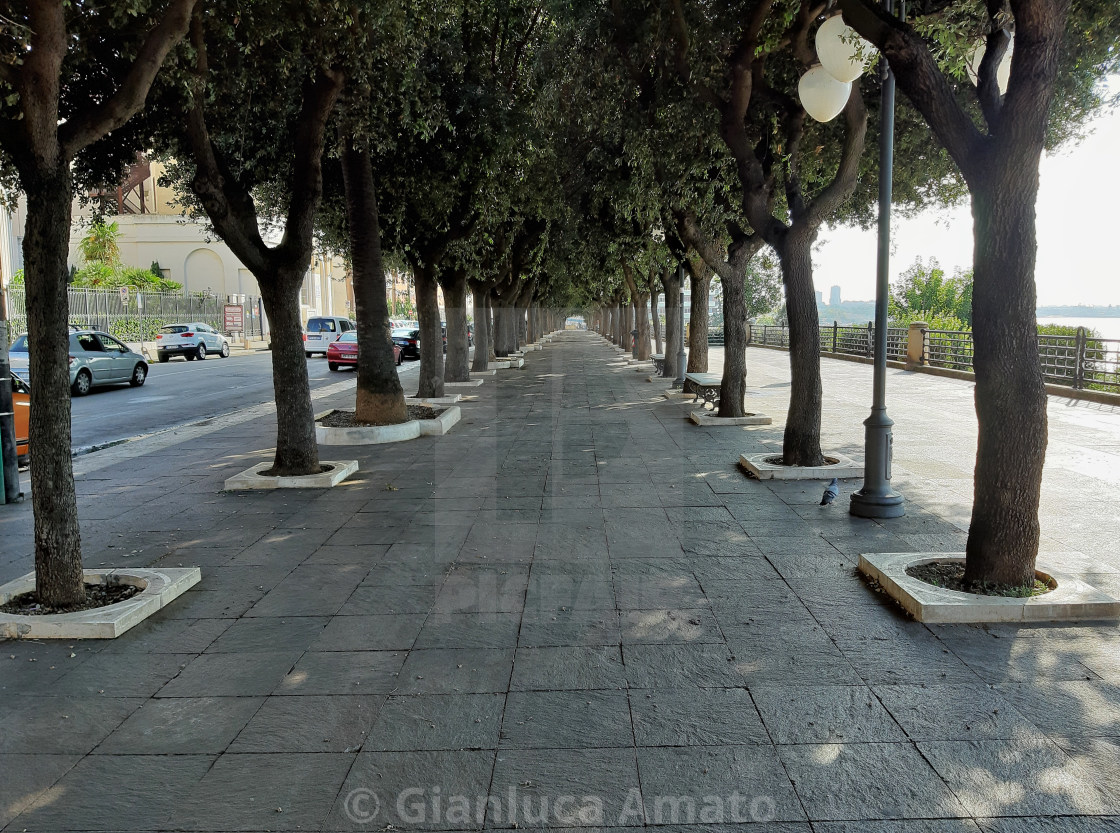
1078, 230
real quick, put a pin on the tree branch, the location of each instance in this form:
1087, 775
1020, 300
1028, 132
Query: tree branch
844, 183
91, 123
922, 81
987, 81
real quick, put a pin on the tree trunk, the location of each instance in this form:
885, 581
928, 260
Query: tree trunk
481, 328
700, 280
653, 304
58, 545
457, 368
492, 328
672, 283
297, 451
733, 385
379, 398
641, 316
627, 325
801, 445
431, 335
1010, 394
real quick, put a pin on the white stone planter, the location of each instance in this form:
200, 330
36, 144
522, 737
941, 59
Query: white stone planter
1072, 600
441, 424
499, 365
446, 399
482, 374
677, 395
336, 472
160, 587
757, 466
710, 420
473, 383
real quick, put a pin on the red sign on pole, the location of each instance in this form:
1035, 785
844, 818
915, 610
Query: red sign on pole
234, 318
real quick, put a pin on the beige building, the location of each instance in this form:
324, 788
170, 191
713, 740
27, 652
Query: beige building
153, 229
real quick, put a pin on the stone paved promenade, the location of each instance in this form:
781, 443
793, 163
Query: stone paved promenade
573, 610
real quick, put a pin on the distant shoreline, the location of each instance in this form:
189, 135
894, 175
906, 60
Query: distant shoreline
1078, 312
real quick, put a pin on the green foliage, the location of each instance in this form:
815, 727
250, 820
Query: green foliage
17, 279
102, 276
99, 245
923, 293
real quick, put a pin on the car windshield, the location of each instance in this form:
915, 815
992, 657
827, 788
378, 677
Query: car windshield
171, 329
19, 345
349, 338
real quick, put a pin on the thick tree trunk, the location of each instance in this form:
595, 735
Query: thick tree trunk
1010, 394
297, 451
492, 329
379, 398
58, 546
653, 304
700, 281
481, 328
801, 445
672, 284
733, 385
457, 368
626, 311
641, 316
431, 334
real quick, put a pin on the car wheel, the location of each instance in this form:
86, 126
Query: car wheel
400, 359
163, 358
308, 355
201, 351
190, 357
225, 350
332, 366
139, 375
82, 384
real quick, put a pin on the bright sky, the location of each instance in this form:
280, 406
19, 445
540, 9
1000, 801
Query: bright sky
1078, 227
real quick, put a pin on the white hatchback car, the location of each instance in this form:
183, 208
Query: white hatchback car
193, 340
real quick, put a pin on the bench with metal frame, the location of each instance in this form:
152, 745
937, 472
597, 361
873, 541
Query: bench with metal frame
705, 386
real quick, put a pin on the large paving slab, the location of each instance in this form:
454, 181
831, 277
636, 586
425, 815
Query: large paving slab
574, 610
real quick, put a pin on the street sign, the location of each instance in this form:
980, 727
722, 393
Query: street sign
124, 294
234, 318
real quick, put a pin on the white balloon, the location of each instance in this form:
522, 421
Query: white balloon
842, 52
822, 96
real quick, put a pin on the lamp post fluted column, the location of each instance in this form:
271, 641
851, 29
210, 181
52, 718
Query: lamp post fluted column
877, 499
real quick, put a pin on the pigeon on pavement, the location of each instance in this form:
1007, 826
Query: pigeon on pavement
830, 492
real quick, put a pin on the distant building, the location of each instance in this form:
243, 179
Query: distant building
820, 297
834, 297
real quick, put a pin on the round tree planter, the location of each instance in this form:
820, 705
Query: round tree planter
159, 588
710, 420
334, 473
757, 466
1071, 600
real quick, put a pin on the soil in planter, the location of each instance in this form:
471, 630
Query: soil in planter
272, 472
97, 595
345, 419
779, 461
950, 575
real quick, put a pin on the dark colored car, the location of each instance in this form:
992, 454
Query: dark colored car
409, 342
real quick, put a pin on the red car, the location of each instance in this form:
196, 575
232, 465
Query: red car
344, 351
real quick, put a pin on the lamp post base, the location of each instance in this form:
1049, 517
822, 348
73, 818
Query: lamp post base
877, 499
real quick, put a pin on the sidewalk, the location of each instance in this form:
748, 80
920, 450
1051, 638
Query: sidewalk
572, 611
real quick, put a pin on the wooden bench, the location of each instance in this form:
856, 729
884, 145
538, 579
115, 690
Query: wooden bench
658, 360
705, 385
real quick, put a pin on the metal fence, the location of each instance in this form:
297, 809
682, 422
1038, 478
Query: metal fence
1081, 361
138, 316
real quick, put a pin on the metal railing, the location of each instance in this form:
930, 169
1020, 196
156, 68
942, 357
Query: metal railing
1081, 361
137, 316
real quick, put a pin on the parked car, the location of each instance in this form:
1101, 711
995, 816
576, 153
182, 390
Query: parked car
408, 340
193, 340
96, 359
21, 401
344, 352
322, 330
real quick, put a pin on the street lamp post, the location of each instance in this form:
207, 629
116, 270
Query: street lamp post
877, 499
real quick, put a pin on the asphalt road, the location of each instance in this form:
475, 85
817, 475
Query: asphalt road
182, 392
